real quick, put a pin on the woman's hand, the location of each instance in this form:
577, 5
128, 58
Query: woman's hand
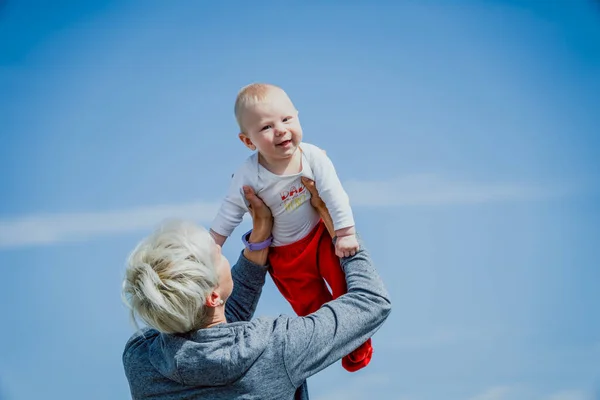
262, 219
262, 225
319, 204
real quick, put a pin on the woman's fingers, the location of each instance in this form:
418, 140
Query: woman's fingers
257, 206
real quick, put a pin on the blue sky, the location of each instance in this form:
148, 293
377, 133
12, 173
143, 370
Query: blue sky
466, 134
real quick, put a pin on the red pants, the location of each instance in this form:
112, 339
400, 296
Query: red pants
300, 271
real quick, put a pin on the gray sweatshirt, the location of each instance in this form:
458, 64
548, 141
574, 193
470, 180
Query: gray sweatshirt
263, 358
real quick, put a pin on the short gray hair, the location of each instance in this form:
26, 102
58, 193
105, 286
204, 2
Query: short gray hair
169, 276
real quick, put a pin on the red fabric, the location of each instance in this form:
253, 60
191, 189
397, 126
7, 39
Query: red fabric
300, 271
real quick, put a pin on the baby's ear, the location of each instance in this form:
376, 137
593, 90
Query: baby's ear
247, 141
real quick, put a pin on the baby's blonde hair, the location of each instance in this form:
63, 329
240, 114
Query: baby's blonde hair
250, 95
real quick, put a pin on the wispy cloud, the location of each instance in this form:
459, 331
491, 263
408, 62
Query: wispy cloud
63, 227
431, 189
494, 393
570, 395
442, 337
360, 387
422, 189
522, 392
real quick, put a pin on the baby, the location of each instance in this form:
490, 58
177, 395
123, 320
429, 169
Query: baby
302, 255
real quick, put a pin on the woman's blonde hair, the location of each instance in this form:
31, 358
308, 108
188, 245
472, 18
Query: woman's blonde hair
169, 276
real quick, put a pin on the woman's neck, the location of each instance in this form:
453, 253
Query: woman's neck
217, 317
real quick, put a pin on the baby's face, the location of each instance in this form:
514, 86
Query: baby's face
272, 127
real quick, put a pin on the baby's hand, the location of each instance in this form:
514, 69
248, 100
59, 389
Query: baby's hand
346, 246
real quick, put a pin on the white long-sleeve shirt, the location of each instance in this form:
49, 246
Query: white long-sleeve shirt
286, 196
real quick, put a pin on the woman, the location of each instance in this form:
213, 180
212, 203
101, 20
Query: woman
202, 343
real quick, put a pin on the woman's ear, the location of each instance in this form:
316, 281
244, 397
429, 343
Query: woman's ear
214, 300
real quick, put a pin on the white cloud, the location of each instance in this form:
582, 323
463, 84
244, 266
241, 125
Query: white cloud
448, 336
518, 392
359, 388
440, 338
569, 395
54, 228
430, 189
494, 393
424, 189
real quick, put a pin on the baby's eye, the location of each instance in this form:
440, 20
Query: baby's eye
264, 128
286, 119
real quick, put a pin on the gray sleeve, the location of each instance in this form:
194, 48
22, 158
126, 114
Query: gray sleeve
248, 280
340, 326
